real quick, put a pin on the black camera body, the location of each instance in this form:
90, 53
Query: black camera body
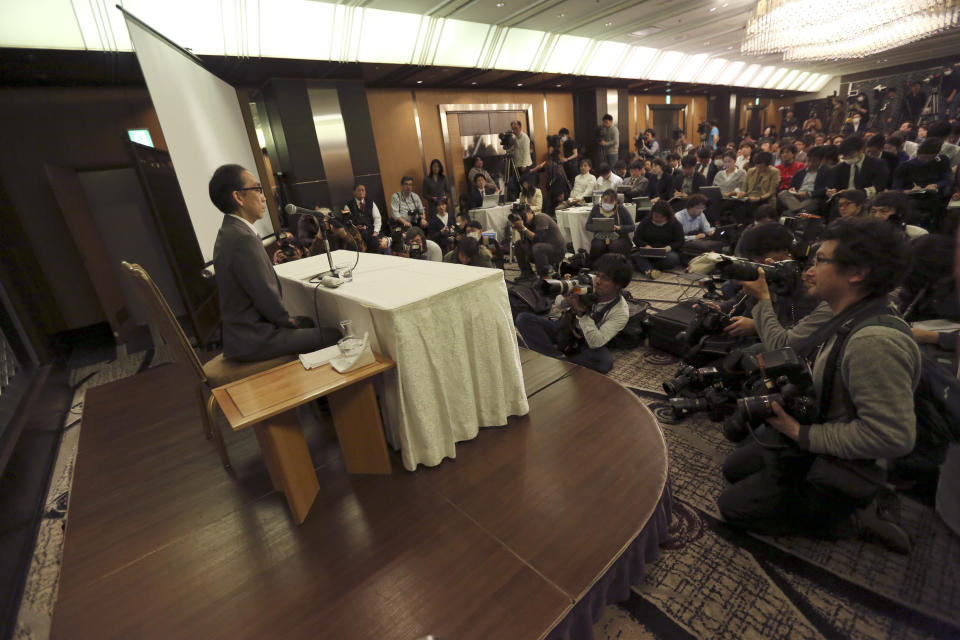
287, 245
775, 376
581, 284
507, 140
707, 321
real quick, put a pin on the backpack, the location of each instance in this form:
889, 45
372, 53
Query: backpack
635, 332
525, 299
936, 400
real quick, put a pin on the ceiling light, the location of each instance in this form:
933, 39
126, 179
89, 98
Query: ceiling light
560, 15
499, 4
519, 84
712, 9
840, 31
649, 31
559, 85
725, 5
473, 83
608, 24
419, 81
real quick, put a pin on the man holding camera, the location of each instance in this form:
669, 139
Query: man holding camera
539, 241
469, 252
405, 206
589, 321
827, 483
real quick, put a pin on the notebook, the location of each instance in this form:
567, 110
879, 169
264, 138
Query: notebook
602, 224
490, 200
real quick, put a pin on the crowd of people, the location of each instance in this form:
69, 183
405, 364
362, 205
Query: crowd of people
865, 211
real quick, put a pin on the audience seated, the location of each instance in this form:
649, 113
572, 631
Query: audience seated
851, 203
788, 166
469, 252
637, 184
730, 177
892, 207
584, 184
479, 190
441, 225
658, 230
478, 169
808, 186
761, 182
926, 179
660, 183
858, 170
530, 193
695, 224
687, 181
617, 240
706, 165
474, 229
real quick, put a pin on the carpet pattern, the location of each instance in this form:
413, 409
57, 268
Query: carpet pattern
710, 580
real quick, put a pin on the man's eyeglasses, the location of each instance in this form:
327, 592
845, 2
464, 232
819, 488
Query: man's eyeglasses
818, 259
258, 189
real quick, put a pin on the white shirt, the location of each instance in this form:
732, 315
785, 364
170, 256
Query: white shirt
608, 183
248, 223
583, 185
403, 205
376, 214
521, 151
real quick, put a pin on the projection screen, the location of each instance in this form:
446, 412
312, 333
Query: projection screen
201, 121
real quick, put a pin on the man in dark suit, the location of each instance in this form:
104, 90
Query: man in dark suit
857, 170
479, 190
687, 181
705, 164
255, 324
808, 187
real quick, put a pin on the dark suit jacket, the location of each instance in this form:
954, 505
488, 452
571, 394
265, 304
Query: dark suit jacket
874, 173
251, 310
820, 185
698, 181
435, 227
711, 172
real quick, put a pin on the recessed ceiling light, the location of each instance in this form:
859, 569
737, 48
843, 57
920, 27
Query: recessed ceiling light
419, 81
473, 83
559, 85
705, 43
712, 9
729, 48
608, 24
519, 84
560, 15
499, 4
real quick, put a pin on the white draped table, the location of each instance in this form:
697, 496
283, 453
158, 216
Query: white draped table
573, 224
449, 329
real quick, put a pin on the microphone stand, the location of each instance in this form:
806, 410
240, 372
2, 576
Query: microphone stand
332, 273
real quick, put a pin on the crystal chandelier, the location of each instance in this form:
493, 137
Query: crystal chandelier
828, 29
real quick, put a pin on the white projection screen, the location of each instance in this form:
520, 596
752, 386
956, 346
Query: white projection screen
201, 121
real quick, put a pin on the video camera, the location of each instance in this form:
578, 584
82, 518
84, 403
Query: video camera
507, 140
782, 274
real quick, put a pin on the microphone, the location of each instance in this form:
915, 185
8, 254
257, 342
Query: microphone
291, 209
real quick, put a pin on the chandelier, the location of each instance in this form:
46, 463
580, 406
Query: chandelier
828, 29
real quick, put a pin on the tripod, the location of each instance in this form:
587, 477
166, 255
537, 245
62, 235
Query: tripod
512, 175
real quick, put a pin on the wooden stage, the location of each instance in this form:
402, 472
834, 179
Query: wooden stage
161, 542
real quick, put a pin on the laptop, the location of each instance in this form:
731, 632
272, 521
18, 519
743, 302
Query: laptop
711, 193
490, 200
603, 224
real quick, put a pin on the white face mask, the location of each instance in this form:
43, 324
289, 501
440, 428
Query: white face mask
719, 163
607, 206
563, 138
474, 234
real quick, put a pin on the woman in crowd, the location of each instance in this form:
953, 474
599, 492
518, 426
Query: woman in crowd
530, 193
730, 177
658, 230
617, 240
435, 185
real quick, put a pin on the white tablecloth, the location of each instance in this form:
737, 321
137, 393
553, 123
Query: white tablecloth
449, 329
493, 219
573, 224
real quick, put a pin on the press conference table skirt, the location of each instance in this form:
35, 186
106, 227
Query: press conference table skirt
447, 326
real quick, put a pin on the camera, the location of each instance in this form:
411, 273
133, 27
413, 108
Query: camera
775, 376
287, 245
576, 263
580, 284
703, 129
507, 140
518, 211
707, 321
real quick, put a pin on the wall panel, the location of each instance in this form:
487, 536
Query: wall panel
696, 108
398, 150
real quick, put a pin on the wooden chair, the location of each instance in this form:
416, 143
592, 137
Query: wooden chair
215, 373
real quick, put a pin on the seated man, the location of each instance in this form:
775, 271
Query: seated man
851, 203
695, 224
826, 483
808, 186
788, 166
584, 184
478, 169
607, 178
365, 216
479, 190
658, 230
469, 252
539, 240
405, 205
617, 240
441, 227
637, 183
687, 181
761, 182
858, 170
892, 206
583, 331
926, 179
620, 168
255, 324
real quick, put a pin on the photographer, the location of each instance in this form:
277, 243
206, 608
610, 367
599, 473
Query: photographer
539, 240
416, 245
469, 252
587, 325
648, 145
616, 241
405, 206
473, 229
826, 483
339, 235
441, 227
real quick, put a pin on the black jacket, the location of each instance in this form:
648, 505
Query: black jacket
698, 181
874, 173
668, 235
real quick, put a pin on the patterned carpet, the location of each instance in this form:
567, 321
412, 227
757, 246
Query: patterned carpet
709, 582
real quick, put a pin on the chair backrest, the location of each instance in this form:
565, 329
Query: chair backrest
161, 318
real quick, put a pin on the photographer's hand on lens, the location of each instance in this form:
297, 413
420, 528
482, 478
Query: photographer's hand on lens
757, 288
741, 326
783, 422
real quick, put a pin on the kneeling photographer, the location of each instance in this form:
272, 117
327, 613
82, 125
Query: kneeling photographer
469, 252
539, 240
821, 477
596, 312
788, 303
